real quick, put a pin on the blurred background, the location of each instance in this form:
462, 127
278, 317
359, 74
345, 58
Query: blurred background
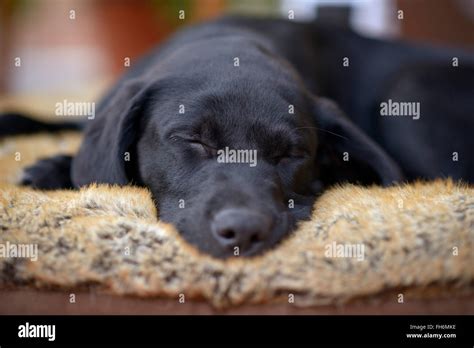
70, 47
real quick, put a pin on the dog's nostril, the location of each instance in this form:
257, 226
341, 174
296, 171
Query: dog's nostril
241, 227
255, 238
227, 233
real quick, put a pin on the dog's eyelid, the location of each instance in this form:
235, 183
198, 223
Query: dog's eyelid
205, 149
195, 142
184, 137
296, 154
199, 142
174, 138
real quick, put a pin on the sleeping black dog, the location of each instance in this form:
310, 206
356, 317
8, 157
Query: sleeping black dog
238, 124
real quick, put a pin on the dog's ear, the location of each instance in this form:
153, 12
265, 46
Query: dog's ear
105, 153
346, 153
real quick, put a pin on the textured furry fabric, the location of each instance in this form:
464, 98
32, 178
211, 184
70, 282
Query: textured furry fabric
414, 237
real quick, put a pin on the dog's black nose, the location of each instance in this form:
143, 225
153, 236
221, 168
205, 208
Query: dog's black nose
243, 228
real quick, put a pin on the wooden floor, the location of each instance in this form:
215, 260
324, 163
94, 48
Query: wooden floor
26, 301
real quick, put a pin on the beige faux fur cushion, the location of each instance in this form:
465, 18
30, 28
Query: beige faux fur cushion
407, 237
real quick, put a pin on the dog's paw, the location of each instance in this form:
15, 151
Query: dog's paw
49, 174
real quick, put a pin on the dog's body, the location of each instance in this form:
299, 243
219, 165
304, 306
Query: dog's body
257, 85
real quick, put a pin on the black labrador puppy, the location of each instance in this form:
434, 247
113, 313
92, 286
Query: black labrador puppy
237, 124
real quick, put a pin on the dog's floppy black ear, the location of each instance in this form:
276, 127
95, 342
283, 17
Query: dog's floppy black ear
105, 151
346, 153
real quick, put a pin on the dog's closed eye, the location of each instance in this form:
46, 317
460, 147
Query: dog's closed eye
204, 149
291, 155
195, 144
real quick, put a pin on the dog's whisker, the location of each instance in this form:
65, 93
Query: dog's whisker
323, 130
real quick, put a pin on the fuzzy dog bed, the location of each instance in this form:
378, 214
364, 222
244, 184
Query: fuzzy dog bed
414, 237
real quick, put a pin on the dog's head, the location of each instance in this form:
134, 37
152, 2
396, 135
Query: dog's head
233, 153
